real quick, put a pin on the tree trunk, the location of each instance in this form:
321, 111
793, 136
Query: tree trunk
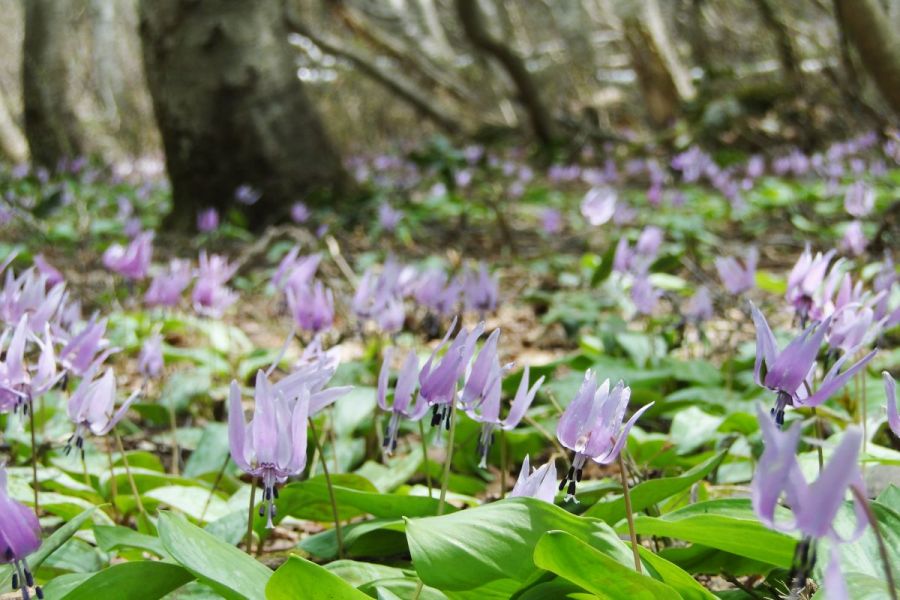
13, 146
51, 121
231, 109
878, 44
787, 56
470, 16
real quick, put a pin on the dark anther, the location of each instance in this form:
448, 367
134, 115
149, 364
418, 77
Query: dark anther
268, 494
15, 581
262, 510
39, 592
8, 555
562, 484
571, 473
571, 490
275, 492
578, 475
29, 578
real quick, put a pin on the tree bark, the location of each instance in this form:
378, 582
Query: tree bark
13, 145
787, 55
470, 16
877, 42
52, 126
231, 109
658, 88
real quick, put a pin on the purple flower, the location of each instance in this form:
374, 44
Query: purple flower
699, 307
435, 293
644, 295
91, 407
890, 392
854, 241
20, 535
295, 270
133, 227
51, 273
299, 213
28, 295
167, 286
808, 288
853, 326
207, 220
272, 446
540, 484
312, 306
591, 426
388, 216
649, 241
480, 290
211, 297
599, 205
882, 284
736, 277
87, 349
133, 261
246, 195
551, 221
786, 372
859, 199
150, 360
403, 392
438, 379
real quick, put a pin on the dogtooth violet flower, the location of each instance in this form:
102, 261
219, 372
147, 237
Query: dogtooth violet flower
18, 385
738, 277
599, 205
133, 261
272, 447
814, 506
91, 407
438, 380
786, 372
211, 297
890, 392
540, 484
407, 380
150, 359
312, 306
20, 535
592, 426
810, 285
86, 348
207, 220
480, 290
166, 287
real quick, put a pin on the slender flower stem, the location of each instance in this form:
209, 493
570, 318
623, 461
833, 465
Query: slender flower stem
819, 436
446, 477
425, 456
134, 488
865, 411
34, 450
248, 543
504, 463
334, 507
551, 438
176, 452
215, 486
627, 493
113, 486
882, 547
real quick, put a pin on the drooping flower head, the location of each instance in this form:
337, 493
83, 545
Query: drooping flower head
388, 216
20, 535
295, 270
480, 290
211, 295
859, 199
439, 378
592, 426
312, 306
540, 484
738, 277
599, 205
168, 285
150, 360
699, 307
407, 380
854, 241
131, 262
86, 348
91, 407
811, 284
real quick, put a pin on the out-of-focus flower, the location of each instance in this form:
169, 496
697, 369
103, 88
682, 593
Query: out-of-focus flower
168, 285
91, 407
20, 535
699, 307
592, 426
208, 220
736, 277
436, 293
47, 270
246, 195
299, 213
644, 295
649, 241
388, 216
294, 270
211, 297
272, 446
890, 392
312, 306
854, 241
859, 199
480, 290
133, 261
786, 372
809, 290
403, 393
150, 360
551, 221
540, 484
599, 205
86, 349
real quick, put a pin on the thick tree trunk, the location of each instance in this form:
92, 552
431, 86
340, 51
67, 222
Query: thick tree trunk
231, 109
878, 44
51, 122
13, 146
787, 55
470, 16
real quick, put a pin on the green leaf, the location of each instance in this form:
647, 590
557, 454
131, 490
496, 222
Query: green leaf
116, 538
217, 564
140, 580
674, 576
299, 578
211, 452
49, 546
860, 587
862, 556
652, 491
378, 537
576, 561
728, 525
489, 543
604, 269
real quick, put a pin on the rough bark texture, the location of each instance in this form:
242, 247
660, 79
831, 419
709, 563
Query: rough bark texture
878, 44
470, 16
657, 85
231, 109
13, 146
52, 125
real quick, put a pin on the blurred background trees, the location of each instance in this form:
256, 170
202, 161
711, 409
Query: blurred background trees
270, 94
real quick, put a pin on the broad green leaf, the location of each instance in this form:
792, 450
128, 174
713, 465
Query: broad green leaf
140, 580
379, 538
674, 576
862, 556
488, 543
111, 538
728, 525
299, 578
217, 564
211, 452
576, 561
49, 546
652, 491
860, 587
